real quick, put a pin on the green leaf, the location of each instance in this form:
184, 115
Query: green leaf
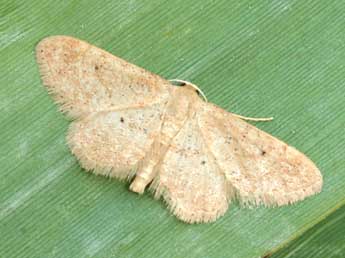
257, 58
325, 239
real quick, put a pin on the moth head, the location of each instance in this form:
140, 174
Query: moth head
190, 87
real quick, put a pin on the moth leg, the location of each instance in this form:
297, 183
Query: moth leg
146, 172
175, 116
149, 166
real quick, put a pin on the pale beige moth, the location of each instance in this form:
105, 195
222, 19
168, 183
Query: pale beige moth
131, 124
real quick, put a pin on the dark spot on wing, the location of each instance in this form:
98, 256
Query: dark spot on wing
122, 120
203, 162
228, 140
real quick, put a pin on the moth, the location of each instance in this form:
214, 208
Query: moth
131, 124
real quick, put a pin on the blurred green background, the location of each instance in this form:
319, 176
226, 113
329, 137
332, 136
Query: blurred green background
281, 58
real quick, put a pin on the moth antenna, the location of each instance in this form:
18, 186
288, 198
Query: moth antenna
256, 119
259, 119
191, 84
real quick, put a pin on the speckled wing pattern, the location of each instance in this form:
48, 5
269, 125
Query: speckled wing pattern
114, 143
116, 105
84, 79
128, 122
260, 168
189, 178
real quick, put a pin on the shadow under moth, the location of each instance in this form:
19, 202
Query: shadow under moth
131, 124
